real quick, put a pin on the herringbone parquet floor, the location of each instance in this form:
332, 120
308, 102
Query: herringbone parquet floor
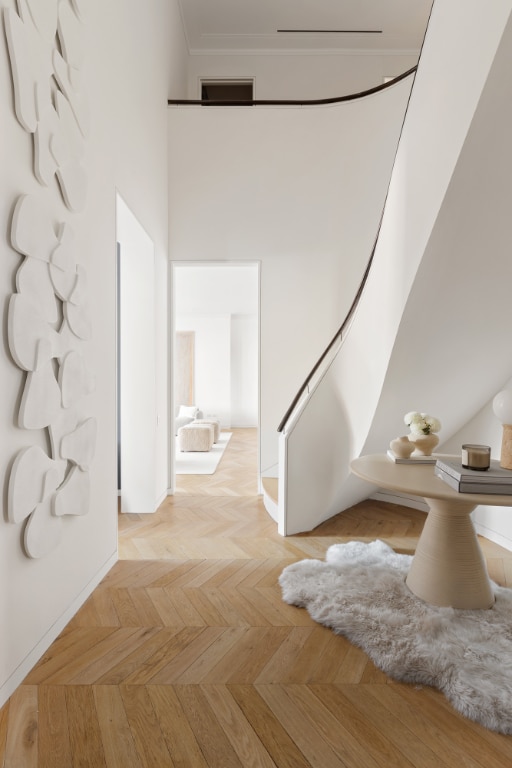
185, 655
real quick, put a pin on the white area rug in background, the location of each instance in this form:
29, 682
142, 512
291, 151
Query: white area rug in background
360, 592
201, 462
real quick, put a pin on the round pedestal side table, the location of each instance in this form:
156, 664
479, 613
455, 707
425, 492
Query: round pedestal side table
448, 567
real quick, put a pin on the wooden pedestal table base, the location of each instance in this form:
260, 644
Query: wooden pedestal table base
448, 568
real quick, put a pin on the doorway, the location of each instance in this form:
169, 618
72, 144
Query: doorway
215, 334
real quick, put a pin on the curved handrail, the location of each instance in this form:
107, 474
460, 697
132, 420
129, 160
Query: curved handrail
339, 333
291, 102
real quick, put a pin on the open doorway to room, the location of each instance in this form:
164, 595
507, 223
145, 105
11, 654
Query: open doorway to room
215, 322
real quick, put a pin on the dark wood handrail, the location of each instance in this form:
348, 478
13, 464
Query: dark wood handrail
337, 335
346, 321
290, 102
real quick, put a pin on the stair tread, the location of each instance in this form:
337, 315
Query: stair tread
270, 487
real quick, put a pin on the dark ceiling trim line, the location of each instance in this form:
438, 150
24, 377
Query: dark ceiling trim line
300, 103
334, 31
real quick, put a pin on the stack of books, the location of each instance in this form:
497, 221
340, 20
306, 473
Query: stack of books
411, 459
494, 480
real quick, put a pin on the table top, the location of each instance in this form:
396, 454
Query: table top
418, 480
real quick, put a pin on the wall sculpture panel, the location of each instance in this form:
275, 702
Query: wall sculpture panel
48, 318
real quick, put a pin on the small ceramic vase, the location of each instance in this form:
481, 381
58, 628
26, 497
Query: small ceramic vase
402, 447
424, 444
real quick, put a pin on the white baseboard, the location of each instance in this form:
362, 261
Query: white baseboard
158, 501
395, 497
493, 536
271, 507
28, 663
161, 499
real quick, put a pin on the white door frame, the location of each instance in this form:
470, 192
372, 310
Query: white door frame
172, 326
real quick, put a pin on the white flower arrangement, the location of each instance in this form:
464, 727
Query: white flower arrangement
421, 423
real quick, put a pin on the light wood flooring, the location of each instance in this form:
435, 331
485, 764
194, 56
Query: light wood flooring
186, 655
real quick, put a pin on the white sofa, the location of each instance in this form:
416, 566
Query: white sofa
186, 414
188, 423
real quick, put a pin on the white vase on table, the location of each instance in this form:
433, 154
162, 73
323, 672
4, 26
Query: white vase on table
424, 444
402, 447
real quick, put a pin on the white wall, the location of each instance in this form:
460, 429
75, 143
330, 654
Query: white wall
126, 150
212, 363
289, 76
244, 370
300, 190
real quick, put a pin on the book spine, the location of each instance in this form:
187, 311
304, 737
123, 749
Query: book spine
478, 479
496, 489
449, 479
449, 470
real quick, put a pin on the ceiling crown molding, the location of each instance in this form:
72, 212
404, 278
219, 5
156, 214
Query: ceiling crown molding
302, 52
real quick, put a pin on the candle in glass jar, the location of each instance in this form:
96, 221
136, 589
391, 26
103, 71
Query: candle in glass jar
476, 456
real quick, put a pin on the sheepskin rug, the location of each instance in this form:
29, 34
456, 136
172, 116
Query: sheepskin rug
360, 592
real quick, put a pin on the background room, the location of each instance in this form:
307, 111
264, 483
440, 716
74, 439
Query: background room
216, 341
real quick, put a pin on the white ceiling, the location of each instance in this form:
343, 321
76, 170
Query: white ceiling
250, 26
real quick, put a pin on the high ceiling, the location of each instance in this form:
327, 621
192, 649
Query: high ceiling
246, 26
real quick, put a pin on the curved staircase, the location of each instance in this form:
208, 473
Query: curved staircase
431, 330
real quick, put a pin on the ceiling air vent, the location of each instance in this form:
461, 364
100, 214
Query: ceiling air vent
227, 90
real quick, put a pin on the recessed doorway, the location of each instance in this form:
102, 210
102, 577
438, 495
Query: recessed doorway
215, 336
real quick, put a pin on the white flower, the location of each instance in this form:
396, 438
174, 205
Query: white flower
421, 423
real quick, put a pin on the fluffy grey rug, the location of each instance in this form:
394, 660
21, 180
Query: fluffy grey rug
360, 592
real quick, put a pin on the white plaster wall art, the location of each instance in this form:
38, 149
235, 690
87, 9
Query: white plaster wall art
45, 162
75, 379
63, 268
32, 232
79, 7
27, 328
65, 423
73, 183
68, 78
34, 283
63, 281
76, 311
44, 14
79, 293
34, 478
79, 321
31, 64
78, 446
73, 496
69, 126
48, 318
41, 399
70, 35
43, 531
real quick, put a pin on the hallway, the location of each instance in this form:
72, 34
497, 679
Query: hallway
185, 655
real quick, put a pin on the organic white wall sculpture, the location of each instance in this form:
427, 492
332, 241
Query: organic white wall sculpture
48, 317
